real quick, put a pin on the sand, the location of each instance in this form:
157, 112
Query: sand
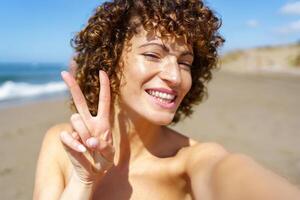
258, 115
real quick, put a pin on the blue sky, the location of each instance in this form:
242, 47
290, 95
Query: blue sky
40, 31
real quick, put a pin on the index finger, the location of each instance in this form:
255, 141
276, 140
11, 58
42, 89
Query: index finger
77, 95
104, 95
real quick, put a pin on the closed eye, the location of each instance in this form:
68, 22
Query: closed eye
151, 55
188, 65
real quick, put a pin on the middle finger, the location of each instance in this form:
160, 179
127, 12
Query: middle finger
77, 95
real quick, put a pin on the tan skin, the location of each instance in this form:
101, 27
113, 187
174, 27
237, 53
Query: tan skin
144, 159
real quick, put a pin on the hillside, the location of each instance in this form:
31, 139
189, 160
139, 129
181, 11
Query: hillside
285, 59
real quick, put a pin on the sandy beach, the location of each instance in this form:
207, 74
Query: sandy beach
258, 115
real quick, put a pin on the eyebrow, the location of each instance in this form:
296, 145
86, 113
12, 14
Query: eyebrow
165, 48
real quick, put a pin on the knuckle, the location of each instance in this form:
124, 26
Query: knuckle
73, 143
75, 135
84, 134
75, 117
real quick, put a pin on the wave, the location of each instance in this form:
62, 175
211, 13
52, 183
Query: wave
12, 90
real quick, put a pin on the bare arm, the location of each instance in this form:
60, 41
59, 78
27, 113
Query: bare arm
76, 190
217, 175
240, 177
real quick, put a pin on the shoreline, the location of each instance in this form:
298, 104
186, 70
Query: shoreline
12, 103
263, 72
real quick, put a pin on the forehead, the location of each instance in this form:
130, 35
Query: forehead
172, 43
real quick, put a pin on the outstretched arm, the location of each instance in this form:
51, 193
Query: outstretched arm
218, 175
240, 177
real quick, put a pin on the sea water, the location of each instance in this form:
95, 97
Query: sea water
21, 82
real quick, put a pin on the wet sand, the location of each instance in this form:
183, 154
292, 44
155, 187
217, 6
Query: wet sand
258, 115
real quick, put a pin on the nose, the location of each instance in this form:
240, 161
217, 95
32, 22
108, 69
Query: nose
170, 73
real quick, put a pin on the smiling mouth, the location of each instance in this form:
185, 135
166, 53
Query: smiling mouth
163, 97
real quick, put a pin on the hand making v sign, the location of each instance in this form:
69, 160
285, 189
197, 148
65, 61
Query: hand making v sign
90, 145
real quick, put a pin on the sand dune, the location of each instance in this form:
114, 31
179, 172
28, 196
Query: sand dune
275, 59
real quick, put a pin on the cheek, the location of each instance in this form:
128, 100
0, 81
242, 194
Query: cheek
143, 68
137, 69
132, 65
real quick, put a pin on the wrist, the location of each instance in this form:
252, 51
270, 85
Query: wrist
78, 189
88, 183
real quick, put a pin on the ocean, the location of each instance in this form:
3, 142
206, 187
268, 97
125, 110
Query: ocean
23, 82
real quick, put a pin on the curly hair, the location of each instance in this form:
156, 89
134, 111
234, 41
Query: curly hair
99, 45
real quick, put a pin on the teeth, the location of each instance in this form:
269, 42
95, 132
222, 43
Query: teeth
162, 95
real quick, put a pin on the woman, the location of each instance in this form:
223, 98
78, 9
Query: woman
152, 59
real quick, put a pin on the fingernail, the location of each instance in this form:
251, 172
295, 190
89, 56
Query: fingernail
63, 73
106, 136
81, 148
92, 142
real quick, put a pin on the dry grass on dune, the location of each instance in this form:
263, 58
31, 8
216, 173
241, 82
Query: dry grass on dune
284, 58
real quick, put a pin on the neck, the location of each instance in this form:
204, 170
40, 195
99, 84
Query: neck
133, 136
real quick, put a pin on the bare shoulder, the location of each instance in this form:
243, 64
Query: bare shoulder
197, 161
206, 149
202, 157
52, 164
52, 143
52, 147
193, 151
52, 140
57, 129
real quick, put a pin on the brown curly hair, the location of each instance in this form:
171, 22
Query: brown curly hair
100, 44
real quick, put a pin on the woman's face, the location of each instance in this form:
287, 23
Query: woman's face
156, 76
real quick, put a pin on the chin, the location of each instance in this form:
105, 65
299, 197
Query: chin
162, 120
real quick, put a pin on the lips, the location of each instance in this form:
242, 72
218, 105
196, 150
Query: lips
163, 97
163, 94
